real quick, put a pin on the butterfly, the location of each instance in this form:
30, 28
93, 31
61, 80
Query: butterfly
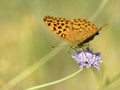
77, 32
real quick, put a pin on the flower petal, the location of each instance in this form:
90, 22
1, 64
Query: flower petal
87, 58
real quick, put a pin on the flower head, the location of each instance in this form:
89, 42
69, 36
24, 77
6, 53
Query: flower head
87, 58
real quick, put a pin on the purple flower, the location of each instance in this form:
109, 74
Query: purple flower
87, 58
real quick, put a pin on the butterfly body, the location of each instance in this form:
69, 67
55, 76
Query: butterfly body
76, 32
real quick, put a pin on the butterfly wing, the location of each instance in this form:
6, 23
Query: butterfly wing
76, 31
61, 27
83, 30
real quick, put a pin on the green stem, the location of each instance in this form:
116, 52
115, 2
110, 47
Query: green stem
54, 82
99, 10
21, 76
111, 81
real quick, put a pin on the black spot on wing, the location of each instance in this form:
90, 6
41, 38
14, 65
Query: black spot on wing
59, 32
49, 24
59, 27
63, 35
54, 28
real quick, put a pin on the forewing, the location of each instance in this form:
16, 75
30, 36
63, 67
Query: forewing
83, 29
61, 27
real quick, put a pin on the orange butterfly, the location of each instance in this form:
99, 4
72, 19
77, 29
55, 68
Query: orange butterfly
77, 32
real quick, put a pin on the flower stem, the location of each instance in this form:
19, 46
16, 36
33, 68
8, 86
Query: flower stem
54, 82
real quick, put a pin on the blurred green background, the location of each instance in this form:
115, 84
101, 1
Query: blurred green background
26, 56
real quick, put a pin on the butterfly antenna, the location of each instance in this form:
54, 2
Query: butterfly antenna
53, 46
102, 27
